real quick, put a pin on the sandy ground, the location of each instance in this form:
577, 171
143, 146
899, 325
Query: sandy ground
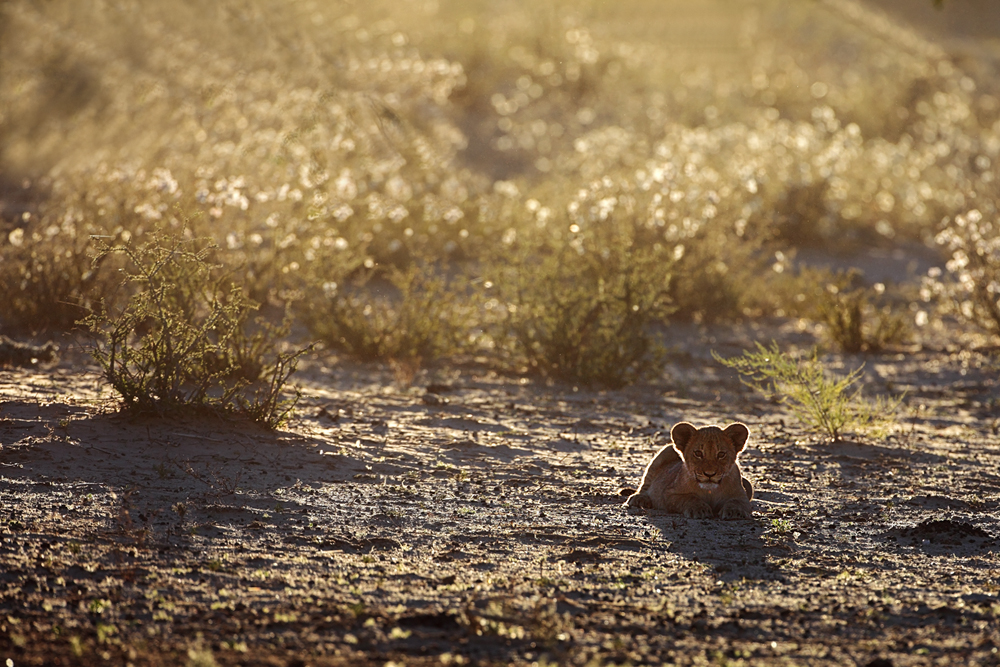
473, 518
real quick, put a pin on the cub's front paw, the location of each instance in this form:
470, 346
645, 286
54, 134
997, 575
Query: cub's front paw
639, 500
700, 510
734, 510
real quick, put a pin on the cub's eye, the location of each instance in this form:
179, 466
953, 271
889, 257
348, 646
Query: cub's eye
722, 455
699, 455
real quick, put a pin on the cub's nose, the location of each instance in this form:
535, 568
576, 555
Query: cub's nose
711, 474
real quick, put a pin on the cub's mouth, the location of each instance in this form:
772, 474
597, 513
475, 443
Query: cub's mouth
708, 486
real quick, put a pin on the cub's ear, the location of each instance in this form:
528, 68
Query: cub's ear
738, 434
681, 434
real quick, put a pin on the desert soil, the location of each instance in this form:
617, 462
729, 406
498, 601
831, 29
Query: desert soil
473, 517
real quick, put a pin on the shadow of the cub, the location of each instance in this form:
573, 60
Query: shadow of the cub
732, 549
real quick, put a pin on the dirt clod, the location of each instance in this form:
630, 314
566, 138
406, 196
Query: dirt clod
945, 532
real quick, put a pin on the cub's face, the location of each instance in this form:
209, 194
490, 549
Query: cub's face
710, 452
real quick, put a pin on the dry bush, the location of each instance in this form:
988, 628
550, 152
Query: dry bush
47, 278
856, 317
970, 284
581, 308
415, 314
184, 337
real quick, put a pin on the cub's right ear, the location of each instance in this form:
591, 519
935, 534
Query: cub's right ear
681, 434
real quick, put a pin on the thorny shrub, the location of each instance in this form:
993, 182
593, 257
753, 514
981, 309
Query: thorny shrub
184, 337
970, 284
828, 404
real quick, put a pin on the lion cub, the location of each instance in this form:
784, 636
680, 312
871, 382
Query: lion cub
698, 476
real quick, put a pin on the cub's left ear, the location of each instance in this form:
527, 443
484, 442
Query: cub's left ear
738, 434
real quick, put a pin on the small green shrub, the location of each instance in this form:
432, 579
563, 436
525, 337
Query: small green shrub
404, 315
828, 404
580, 309
781, 525
184, 337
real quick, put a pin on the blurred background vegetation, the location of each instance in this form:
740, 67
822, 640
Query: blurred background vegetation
545, 184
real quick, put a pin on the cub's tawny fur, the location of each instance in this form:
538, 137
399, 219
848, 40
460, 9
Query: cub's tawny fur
698, 476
